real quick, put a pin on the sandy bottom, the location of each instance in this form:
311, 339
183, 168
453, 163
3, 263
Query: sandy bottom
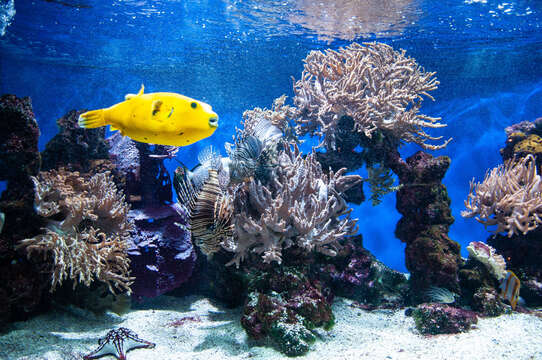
216, 333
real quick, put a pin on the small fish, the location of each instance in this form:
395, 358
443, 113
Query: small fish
156, 118
440, 295
510, 288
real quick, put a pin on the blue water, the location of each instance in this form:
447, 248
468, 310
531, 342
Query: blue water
235, 55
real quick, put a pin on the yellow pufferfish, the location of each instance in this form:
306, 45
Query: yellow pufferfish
156, 118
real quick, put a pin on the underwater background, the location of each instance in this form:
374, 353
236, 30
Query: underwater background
237, 55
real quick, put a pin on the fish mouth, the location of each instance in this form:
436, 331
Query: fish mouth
213, 121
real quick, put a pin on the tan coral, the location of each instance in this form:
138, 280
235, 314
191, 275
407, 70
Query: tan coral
510, 197
301, 206
90, 242
378, 87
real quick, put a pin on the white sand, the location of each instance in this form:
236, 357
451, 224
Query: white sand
66, 334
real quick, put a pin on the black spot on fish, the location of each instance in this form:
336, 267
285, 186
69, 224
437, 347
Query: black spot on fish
145, 138
171, 112
181, 133
193, 105
154, 112
186, 140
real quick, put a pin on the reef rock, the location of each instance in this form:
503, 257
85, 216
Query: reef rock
73, 147
431, 256
356, 274
434, 318
161, 253
285, 305
22, 284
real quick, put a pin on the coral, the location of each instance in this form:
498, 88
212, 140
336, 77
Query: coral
279, 116
509, 197
433, 319
530, 145
378, 87
285, 305
431, 256
522, 139
73, 147
357, 274
161, 254
487, 256
87, 229
300, 207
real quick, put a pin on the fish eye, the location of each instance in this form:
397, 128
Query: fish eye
193, 105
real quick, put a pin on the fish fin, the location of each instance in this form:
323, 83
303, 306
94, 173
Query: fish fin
112, 128
92, 119
131, 96
156, 104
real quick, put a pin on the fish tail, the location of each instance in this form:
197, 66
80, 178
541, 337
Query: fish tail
92, 119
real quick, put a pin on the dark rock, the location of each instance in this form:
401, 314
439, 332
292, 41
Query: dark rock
431, 256
161, 252
433, 319
73, 147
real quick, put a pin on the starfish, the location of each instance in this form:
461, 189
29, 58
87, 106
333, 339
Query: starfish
116, 341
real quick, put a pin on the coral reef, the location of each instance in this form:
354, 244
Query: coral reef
74, 148
431, 256
509, 197
433, 319
87, 229
284, 304
378, 87
356, 274
161, 253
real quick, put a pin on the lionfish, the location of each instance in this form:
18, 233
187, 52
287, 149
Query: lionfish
210, 210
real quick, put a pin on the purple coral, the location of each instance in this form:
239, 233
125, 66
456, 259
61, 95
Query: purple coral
161, 253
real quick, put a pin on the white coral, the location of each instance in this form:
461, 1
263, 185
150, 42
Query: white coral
301, 206
378, 87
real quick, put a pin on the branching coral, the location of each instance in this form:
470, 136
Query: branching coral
378, 87
301, 206
87, 229
510, 197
